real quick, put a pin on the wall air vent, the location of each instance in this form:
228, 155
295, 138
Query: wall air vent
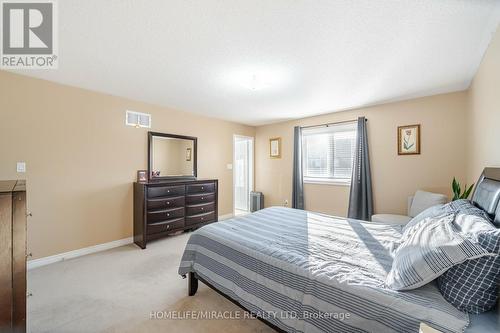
138, 119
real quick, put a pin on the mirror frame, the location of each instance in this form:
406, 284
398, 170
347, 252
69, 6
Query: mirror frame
175, 136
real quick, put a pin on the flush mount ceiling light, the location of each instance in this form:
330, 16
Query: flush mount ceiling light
256, 79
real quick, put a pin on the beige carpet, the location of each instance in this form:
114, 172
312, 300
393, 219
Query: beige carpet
116, 291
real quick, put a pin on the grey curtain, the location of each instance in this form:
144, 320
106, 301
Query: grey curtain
298, 183
361, 199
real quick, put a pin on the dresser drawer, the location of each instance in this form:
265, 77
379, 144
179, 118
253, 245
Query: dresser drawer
166, 191
162, 203
162, 207
200, 209
154, 228
165, 214
200, 218
194, 199
200, 188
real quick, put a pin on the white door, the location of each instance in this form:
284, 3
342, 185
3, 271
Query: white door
242, 173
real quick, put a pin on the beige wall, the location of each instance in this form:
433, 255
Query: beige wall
483, 118
394, 177
82, 159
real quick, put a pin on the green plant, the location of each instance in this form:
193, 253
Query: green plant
457, 191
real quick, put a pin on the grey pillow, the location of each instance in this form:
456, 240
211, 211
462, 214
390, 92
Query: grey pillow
464, 206
427, 250
457, 207
433, 211
472, 286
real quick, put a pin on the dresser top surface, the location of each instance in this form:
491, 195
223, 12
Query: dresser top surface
12, 185
176, 181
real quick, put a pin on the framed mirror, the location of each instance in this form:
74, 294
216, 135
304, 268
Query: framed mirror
171, 156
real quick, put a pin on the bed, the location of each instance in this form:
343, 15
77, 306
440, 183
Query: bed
302, 271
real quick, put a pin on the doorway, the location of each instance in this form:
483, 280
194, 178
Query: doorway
242, 173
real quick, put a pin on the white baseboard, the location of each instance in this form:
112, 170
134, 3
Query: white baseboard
91, 249
225, 217
78, 253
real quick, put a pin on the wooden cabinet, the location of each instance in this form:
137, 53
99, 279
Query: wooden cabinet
12, 256
163, 207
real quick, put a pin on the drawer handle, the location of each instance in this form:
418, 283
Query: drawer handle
168, 203
168, 214
202, 198
202, 187
202, 208
168, 191
202, 218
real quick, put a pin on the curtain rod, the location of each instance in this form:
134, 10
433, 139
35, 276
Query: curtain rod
335, 123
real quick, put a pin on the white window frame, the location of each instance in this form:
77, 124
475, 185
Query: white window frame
328, 181
318, 180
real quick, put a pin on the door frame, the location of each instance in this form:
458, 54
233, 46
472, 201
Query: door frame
251, 166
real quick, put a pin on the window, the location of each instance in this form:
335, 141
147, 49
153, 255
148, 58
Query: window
328, 153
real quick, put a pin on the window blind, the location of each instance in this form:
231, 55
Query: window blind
328, 152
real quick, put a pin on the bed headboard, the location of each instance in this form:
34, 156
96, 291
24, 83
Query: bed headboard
487, 193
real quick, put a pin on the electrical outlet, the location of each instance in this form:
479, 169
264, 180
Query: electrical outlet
21, 167
285, 203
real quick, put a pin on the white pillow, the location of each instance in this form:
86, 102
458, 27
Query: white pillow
433, 211
472, 224
427, 250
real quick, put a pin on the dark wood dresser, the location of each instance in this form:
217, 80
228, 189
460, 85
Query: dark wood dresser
13, 256
162, 207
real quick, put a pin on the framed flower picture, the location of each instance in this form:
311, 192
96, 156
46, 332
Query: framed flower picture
409, 140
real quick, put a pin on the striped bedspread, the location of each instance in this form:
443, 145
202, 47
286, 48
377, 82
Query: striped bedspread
308, 272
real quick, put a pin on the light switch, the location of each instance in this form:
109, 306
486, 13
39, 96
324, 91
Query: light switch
21, 166
229, 166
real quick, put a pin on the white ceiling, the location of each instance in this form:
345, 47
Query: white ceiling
262, 61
